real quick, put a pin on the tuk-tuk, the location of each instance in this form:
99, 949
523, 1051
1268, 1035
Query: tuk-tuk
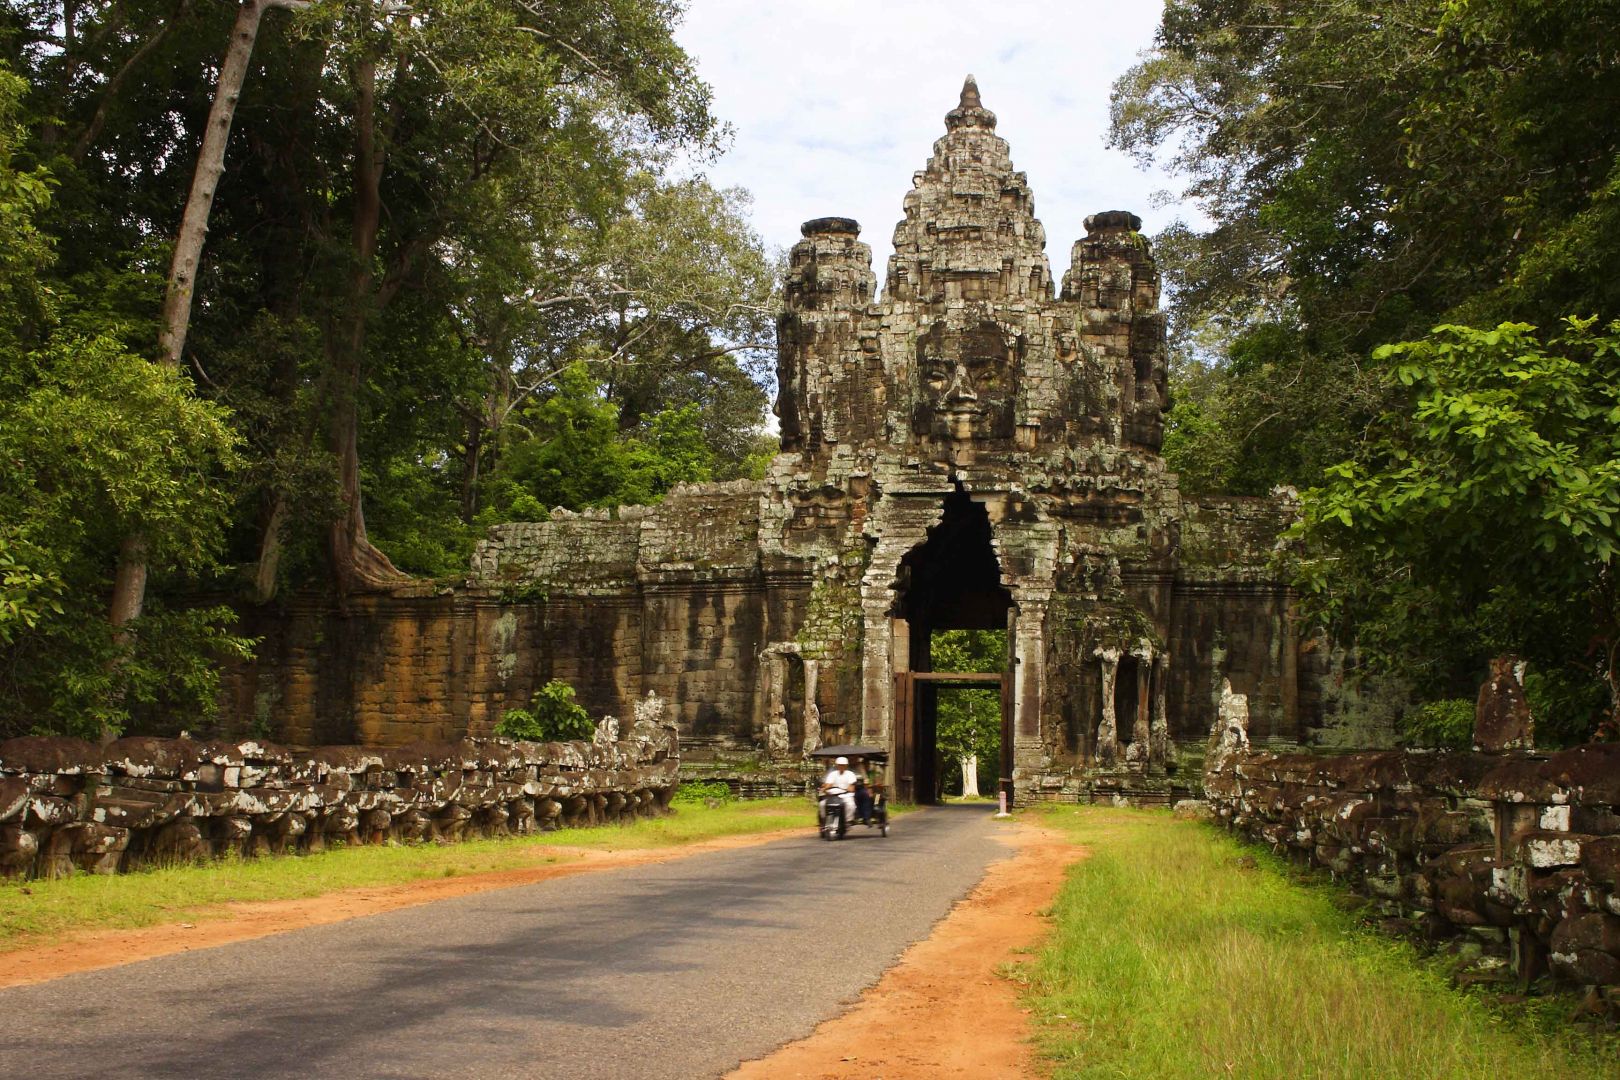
832, 817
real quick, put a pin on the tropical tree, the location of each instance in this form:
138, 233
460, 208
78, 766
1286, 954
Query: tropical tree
968, 730
95, 445
1370, 168
1483, 514
404, 195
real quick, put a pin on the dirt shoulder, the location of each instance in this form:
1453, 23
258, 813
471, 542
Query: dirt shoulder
944, 1010
89, 950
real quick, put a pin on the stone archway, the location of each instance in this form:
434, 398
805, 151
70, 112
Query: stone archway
951, 580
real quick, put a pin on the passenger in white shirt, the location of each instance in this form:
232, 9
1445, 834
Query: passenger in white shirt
843, 778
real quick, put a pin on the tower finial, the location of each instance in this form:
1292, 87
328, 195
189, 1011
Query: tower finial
970, 111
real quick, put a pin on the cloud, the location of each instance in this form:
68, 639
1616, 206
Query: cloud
836, 103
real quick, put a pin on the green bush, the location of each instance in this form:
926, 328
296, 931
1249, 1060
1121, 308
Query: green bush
1440, 725
1568, 705
698, 792
552, 716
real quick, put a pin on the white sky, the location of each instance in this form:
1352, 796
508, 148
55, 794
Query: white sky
836, 103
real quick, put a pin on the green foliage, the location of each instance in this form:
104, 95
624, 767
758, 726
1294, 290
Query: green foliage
1442, 725
96, 444
969, 718
552, 716
415, 518
527, 222
703, 793
573, 454
1568, 703
515, 219
1486, 501
1370, 169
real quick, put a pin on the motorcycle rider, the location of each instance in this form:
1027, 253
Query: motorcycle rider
841, 778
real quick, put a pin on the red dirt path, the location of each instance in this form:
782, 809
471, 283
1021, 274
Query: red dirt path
944, 1011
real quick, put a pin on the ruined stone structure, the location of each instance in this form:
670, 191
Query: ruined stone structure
67, 805
979, 448
1511, 858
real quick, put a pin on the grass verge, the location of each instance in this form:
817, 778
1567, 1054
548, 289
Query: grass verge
36, 912
1170, 959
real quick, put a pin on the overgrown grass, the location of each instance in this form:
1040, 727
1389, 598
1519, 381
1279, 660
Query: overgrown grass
1170, 959
34, 912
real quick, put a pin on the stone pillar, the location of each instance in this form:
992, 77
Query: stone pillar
1230, 735
1502, 719
1161, 751
1029, 666
877, 668
773, 664
812, 711
1108, 728
1140, 731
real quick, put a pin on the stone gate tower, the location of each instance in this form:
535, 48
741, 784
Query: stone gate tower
975, 449
981, 450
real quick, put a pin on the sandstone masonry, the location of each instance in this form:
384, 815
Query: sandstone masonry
66, 805
1511, 857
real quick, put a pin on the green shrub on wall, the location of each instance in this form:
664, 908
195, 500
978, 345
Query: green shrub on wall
1440, 725
552, 716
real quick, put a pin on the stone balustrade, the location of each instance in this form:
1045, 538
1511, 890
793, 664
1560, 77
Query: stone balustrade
1512, 856
67, 805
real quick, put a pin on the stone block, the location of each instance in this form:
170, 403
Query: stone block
1547, 850
1586, 949
1502, 719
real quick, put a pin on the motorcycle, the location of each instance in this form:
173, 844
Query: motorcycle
832, 816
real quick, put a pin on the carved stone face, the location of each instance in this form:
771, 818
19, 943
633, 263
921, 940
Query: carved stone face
967, 382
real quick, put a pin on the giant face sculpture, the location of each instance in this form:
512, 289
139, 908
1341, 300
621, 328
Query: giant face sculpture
967, 382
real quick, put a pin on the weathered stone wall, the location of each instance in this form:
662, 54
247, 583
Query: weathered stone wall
1512, 857
1233, 619
67, 806
420, 664
670, 599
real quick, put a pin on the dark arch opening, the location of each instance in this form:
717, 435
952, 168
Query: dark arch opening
951, 581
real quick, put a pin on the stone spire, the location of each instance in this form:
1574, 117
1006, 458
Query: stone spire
970, 111
970, 230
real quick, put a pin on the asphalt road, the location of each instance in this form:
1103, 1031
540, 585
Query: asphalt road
680, 969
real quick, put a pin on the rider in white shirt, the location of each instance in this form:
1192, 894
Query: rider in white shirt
842, 778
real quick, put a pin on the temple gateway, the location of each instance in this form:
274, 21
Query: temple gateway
978, 448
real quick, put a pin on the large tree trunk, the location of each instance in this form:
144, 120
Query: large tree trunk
270, 547
188, 244
469, 466
970, 776
356, 564
129, 582
129, 585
